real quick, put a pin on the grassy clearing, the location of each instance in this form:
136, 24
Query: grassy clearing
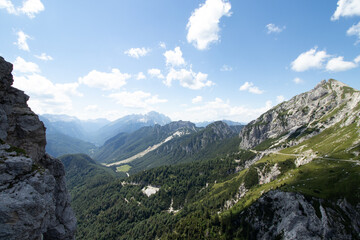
123, 168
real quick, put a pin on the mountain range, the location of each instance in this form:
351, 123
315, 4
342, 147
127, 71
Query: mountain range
290, 174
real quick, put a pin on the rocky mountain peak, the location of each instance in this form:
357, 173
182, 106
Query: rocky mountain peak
19, 126
34, 203
327, 104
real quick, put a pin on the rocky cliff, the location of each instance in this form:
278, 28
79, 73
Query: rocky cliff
311, 112
288, 215
34, 202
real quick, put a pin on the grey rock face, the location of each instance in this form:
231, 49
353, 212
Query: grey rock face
304, 111
292, 216
34, 202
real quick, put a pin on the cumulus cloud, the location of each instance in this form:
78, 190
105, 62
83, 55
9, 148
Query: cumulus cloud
29, 7
137, 52
20, 65
280, 99
338, 64
354, 30
197, 99
249, 86
346, 8
7, 4
92, 108
47, 97
203, 25
298, 80
155, 73
308, 60
44, 57
140, 76
22, 41
357, 59
137, 99
174, 57
188, 79
220, 109
272, 28
226, 68
162, 45
106, 81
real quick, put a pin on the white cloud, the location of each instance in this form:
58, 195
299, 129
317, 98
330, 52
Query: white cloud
249, 86
47, 97
280, 99
226, 68
174, 58
338, 64
298, 80
188, 79
357, 59
7, 4
20, 65
197, 99
22, 41
155, 73
44, 57
162, 45
92, 108
354, 30
346, 8
140, 76
308, 60
272, 28
220, 109
203, 25
106, 81
31, 7
137, 99
137, 52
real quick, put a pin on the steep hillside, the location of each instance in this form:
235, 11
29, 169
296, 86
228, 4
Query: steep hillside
127, 145
60, 144
306, 114
82, 172
215, 140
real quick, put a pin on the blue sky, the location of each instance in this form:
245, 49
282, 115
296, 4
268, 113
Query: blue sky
191, 60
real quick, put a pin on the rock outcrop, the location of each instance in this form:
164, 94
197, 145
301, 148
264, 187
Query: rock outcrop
287, 215
311, 112
34, 202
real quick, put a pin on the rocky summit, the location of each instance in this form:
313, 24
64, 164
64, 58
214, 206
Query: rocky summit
312, 112
34, 202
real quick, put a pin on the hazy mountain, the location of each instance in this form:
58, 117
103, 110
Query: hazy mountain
295, 175
228, 122
130, 124
126, 145
60, 144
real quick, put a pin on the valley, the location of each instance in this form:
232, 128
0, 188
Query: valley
214, 179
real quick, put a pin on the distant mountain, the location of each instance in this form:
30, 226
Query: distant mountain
71, 126
228, 122
60, 144
126, 145
214, 140
130, 124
